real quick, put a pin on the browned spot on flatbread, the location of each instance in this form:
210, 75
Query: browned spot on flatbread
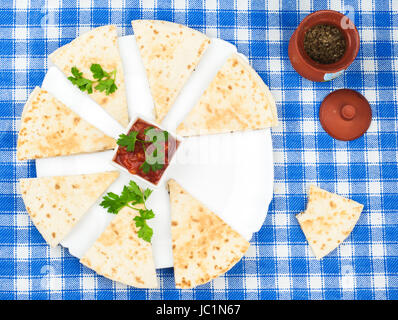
139, 280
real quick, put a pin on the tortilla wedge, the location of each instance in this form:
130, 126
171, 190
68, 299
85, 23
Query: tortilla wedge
170, 52
236, 100
120, 255
328, 220
204, 246
49, 129
97, 46
56, 204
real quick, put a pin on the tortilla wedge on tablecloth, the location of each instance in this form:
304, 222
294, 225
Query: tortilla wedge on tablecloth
56, 204
328, 220
97, 46
49, 129
120, 255
170, 52
204, 246
237, 99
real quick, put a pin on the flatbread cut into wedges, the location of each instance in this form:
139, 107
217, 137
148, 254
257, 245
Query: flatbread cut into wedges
237, 99
56, 204
204, 246
328, 220
120, 255
49, 129
97, 46
170, 52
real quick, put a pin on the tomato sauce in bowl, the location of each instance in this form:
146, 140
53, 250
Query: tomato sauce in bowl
133, 161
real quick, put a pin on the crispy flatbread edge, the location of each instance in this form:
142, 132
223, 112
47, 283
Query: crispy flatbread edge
262, 86
206, 39
53, 57
52, 245
318, 257
265, 88
30, 212
217, 276
86, 262
31, 97
247, 243
298, 216
26, 109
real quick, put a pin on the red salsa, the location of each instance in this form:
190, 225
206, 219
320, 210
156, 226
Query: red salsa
134, 161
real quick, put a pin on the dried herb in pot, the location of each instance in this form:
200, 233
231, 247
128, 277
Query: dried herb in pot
324, 43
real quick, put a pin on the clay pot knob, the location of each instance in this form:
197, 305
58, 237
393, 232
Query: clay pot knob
348, 112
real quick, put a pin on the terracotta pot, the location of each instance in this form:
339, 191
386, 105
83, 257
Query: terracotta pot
311, 69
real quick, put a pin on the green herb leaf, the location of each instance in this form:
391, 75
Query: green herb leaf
156, 136
103, 81
139, 195
157, 153
147, 214
112, 88
128, 140
147, 193
98, 72
145, 232
76, 72
113, 202
145, 167
131, 196
157, 166
104, 85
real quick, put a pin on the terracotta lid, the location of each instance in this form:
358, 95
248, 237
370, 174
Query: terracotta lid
345, 114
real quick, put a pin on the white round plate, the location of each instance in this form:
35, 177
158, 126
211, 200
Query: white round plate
232, 174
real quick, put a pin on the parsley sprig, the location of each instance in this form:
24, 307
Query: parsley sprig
103, 81
153, 146
128, 140
131, 196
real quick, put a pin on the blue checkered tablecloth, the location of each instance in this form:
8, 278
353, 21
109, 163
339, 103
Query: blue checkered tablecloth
279, 264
